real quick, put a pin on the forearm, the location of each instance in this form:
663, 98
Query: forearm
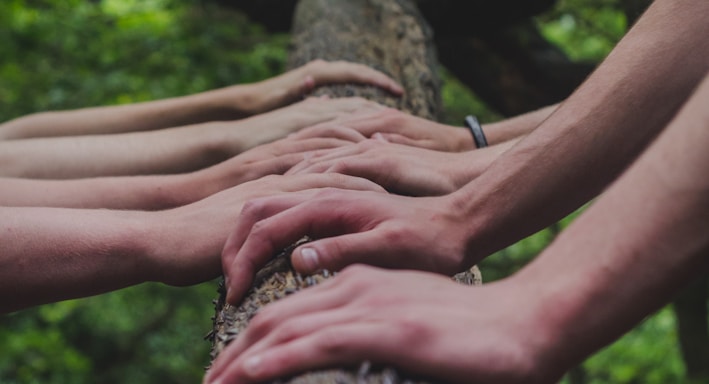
629, 253
128, 192
221, 104
172, 150
55, 254
516, 127
473, 163
595, 133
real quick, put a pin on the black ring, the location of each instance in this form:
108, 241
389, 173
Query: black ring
477, 131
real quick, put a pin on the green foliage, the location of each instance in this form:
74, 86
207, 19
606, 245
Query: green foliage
585, 29
647, 355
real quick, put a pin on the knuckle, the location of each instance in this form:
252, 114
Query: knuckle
333, 342
339, 167
252, 208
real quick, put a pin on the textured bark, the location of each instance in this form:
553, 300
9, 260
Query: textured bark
388, 35
391, 36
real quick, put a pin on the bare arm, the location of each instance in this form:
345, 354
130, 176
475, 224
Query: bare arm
228, 103
50, 254
154, 192
516, 127
590, 139
172, 150
622, 259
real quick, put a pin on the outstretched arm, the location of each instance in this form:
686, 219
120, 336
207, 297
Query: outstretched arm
593, 136
626, 256
172, 150
50, 254
228, 103
154, 192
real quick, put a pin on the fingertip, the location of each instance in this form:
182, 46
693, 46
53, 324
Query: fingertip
308, 83
306, 260
396, 88
379, 137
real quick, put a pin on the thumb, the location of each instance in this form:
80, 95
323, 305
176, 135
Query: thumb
335, 253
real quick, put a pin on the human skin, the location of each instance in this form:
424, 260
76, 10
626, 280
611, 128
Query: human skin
51, 254
570, 158
164, 151
625, 257
403, 169
424, 158
394, 126
154, 192
234, 102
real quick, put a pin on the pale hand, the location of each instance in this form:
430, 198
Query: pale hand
351, 227
418, 322
399, 168
293, 85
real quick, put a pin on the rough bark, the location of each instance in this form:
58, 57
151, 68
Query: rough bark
389, 35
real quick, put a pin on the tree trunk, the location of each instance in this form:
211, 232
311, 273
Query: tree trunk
388, 35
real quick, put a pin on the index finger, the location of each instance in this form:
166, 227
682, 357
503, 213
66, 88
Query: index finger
343, 71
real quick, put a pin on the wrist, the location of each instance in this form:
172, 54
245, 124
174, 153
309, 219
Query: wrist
463, 139
182, 249
546, 353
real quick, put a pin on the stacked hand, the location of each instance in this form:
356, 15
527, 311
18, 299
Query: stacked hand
399, 168
350, 227
293, 85
419, 322
402, 128
190, 238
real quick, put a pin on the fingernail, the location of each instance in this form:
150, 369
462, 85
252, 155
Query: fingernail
252, 366
309, 256
378, 136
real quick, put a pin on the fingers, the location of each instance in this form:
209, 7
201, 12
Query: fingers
329, 129
267, 226
330, 180
324, 72
335, 253
336, 344
239, 267
399, 139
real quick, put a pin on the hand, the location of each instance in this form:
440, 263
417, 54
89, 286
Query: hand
280, 123
400, 169
398, 127
273, 158
190, 238
293, 85
422, 323
352, 227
